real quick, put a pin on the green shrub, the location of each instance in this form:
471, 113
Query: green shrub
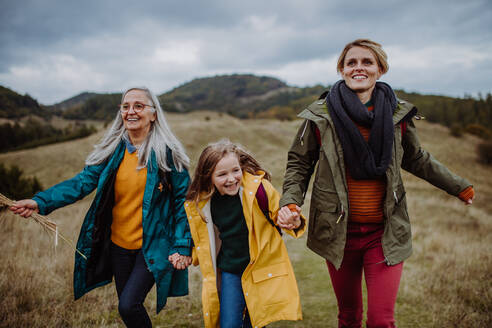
456, 130
15, 186
484, 150
478, 130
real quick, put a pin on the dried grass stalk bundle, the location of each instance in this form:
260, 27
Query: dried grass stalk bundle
45, 222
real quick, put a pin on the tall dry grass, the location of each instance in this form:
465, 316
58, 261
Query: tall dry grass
446, 283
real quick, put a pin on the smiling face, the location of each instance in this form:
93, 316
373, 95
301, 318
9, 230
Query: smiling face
227, 175
138, 122
361, 71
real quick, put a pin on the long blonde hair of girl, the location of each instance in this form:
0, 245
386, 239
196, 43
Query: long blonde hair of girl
201, 187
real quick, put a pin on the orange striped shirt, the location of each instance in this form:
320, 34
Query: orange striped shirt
366, 196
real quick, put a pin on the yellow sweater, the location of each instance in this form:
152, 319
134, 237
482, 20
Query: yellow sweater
126, 229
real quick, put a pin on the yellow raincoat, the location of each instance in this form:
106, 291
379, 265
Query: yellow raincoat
269, 284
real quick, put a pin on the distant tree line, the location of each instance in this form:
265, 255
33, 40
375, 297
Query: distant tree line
15, 186
473, 115
250, 96
33, 134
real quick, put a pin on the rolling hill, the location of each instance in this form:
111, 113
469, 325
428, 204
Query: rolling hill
74, 101
15, 106
247, 96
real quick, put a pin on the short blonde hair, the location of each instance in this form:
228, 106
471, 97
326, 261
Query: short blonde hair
375, 48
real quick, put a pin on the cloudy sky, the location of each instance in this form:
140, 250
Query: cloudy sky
55, 49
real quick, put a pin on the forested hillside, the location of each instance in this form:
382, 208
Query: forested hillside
74, 101
98, 107
449, 111
250, 96
234, 94
27, 124
14, 105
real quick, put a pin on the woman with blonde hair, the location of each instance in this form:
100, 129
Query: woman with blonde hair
136, 229
360, 136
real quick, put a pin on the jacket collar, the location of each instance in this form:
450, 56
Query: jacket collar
404, 111
318, 111
247, 191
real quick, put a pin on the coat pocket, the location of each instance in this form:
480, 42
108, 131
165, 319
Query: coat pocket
272, 284
323, 220
323, 225
269, 272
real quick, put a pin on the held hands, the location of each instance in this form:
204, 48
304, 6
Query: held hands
289, 219
179, 262
24, 207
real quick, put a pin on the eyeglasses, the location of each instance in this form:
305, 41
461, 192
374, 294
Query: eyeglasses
137, 107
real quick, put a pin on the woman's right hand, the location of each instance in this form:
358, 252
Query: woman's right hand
24, 207
289, 217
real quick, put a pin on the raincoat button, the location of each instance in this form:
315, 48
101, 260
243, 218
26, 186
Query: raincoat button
270, 275
186, 204
204, 279
246, 294
251, 193
151, 261
206, 314
256, 180
198, 247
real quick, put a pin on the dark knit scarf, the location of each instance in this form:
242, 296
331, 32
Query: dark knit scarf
365, 160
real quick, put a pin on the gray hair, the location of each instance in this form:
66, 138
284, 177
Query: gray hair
159, 137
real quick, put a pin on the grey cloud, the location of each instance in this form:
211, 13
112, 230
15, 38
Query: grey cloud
118, 40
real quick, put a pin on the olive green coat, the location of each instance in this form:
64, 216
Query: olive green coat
329, 209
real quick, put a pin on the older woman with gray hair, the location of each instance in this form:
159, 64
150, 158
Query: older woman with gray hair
136, 229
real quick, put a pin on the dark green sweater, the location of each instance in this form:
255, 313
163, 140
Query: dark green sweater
227, 215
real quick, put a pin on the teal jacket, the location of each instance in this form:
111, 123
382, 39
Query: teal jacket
165, 227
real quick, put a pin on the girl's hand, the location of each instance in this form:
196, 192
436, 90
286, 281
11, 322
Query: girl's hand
288, 219
24, 207
179, 262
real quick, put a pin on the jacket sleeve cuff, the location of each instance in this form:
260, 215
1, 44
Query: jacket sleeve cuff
186, 251
299, 231
285, 201
41, 205
182, 246
467, 194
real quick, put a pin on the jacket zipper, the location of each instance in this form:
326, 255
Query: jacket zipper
342, 213
303, 132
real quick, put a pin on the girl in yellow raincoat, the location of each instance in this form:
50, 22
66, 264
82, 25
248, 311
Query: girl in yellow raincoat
233, 214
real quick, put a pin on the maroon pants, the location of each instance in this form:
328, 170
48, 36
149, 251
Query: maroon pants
364, 253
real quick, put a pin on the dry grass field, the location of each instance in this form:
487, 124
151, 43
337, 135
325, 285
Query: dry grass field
446, 283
